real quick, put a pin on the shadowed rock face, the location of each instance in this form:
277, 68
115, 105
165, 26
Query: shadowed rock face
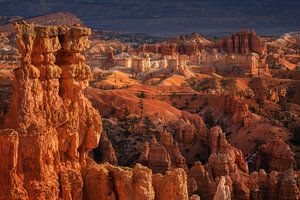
243, 42
51, 127
276, 155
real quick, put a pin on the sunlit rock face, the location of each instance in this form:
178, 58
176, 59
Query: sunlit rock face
52, 125
51, 128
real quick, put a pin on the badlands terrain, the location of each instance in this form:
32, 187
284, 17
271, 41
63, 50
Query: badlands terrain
92, 114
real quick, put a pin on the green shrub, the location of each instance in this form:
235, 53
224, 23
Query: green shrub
142, 95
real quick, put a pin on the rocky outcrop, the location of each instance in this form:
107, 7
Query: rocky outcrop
140, 64
206, 185
276, 155
133, 183
171, 186
224, 158
162, 155
176, 157
74, 78
110, 182
53, 122
223, 191
179, 65
186, 131
221, 176
189, 45
51, 129
226, 176
274, 185
168, 49
238, 65
105, 151
240, 189
154, 48
275, 94
98, 183
159, 158
49, 136
190, 128
238, 109
243, 42
8, 53
288, 186
188, 49
71, 182
10, 182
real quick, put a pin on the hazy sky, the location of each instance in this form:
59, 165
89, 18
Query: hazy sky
170, 16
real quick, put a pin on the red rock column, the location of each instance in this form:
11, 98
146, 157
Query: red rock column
10, 184
37, 110
82, 132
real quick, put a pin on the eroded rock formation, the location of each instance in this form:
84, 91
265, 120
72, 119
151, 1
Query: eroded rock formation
226, 175
110, 182
243, 42
105, 151
274, 185
276, 155
51, 128
239, 65
52, 122
159, 158
171, 186
223, 191
224, 158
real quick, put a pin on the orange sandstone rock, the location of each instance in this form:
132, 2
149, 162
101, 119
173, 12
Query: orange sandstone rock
224, 158
275, 155
171, 186
243, 42
159, 158
98, 183
54, 123
223, 191
105, 151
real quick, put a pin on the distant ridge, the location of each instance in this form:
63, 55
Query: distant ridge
59, 18
9, 19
